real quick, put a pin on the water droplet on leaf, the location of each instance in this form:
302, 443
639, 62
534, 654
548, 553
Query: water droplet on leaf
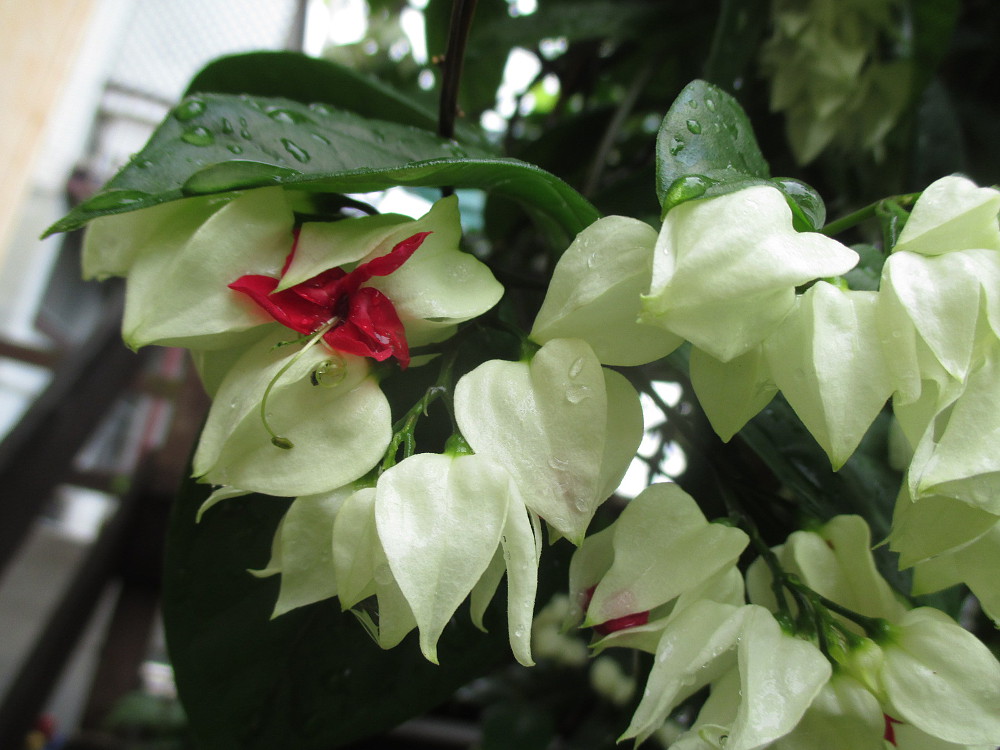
281, 114
235, 175
694, 126
685, 188
676, 146
321, 138
710, 103
295, 150
227, 127
198, 136
189, 109
235, 149
113, 199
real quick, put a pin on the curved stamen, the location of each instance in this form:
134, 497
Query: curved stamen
279, 441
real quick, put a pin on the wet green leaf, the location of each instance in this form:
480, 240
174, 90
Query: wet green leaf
217, 143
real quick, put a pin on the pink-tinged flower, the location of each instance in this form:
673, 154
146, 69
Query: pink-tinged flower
361, 319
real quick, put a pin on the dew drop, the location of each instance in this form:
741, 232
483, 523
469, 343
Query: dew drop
235, 175
581, 505
113, 199
576, 368
694, 126
198, 136
329, 373
227, 127
710, 103
592, 260
281, 114
383, 575
321, 109
235, 149
295, 150
577, 393
676, 146
244, 131
685, 188
321, 138
189, 109
143, 163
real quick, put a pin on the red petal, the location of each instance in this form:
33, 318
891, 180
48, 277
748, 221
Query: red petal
621, 623
373, 325
384, 264
286, 306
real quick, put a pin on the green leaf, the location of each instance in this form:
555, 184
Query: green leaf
308, 80
705, 147
736, 43
217, 143
311, 679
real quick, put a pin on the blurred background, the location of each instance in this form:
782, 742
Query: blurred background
872, 99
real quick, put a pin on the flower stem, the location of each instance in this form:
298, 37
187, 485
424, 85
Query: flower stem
279, 441
853, 219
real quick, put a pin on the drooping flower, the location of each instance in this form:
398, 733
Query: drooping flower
562, 426
595, 291
443, 520
630, 569
725, 269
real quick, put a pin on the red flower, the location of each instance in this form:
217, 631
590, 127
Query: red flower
363, 320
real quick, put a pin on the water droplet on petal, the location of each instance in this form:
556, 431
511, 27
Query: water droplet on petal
576, 368
577, 393
189, 109
198, 136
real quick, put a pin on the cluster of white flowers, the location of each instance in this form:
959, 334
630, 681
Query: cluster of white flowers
815, 651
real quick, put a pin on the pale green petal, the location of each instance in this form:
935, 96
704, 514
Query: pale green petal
486, 587
112, 243
395, 618
975, 565
731, 393
933, 525
843, 715
339, 432
307, 570
439, 282
354, 547
273, 566
545, 423
332, 244
590, 561
695, 649
908, 737
965, 463
624, 431
594, 294
660, 532
780, 675
837, 562
220, 494
214, 364
942, 679
941, 297
521, 555
827, 354
952, 214
180, 295
440, 519
725, 269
